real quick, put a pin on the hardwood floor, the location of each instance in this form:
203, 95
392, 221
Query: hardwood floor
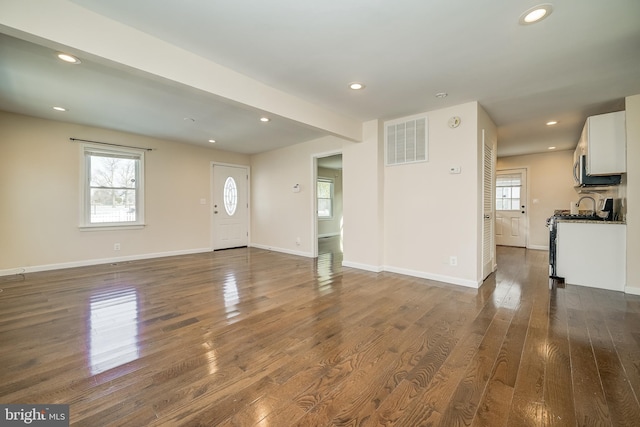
248, 337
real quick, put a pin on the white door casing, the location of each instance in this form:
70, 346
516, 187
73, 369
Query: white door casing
230, 206
512, 223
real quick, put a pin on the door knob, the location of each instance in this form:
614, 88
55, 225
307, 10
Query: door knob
215, 212
487, 216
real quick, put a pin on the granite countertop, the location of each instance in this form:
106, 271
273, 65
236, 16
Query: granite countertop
589, 221
582, 220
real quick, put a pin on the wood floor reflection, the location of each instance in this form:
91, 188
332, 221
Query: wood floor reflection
249, 337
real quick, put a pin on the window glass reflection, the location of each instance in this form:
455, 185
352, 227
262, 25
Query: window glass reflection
113, 325
231, 296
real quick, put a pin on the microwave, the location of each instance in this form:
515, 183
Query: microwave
583, 180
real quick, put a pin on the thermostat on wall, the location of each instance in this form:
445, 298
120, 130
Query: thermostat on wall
454, 122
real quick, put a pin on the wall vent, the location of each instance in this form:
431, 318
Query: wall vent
406, 141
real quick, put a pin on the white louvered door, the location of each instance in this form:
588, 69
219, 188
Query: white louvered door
488, 235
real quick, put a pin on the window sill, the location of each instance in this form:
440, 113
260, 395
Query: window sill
111, 227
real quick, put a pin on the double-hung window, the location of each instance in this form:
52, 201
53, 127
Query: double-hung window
325, 198
113, 187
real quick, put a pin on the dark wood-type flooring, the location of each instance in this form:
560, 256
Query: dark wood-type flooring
248, 337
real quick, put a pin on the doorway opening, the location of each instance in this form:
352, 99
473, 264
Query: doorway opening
328, 216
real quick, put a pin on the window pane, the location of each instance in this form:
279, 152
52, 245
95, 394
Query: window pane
324, 208
515, 192
112, 172
508, 180
515, 204
109, 205
324, 190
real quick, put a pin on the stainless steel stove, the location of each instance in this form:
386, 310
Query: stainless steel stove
553, 236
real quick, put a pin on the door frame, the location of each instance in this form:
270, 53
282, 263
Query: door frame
211, 197
314, 196
525, 169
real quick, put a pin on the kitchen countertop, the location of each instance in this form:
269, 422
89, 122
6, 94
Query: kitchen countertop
588, 221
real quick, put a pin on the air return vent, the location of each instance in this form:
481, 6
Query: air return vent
406, 140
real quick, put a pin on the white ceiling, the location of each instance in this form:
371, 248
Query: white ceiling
582, 60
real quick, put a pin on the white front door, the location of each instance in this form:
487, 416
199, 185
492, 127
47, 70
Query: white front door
230, 206
511, 209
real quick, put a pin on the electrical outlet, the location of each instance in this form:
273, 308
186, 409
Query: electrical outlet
453, 260
116, 246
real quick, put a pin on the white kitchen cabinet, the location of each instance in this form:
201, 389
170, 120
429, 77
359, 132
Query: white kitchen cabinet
604, 142
592, 254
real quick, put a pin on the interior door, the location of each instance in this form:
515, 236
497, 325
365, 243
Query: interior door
230, 207
511, 209
488, 235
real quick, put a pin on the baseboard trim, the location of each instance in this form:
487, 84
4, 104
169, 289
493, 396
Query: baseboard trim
437, 277
282, 250
365, 267
631, 290
538, 247
320, 236
98, 261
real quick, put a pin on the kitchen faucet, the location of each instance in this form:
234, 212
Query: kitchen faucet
587, 197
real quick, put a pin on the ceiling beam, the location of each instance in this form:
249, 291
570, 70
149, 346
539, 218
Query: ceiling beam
60, 23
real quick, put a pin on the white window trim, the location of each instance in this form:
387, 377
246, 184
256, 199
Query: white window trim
85, 178
330, 180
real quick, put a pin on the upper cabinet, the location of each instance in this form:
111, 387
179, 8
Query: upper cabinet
603, 141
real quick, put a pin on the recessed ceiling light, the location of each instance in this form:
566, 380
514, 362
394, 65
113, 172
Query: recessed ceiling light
59, 108
552, 122
442, 95
356, 86
265, 119
535, 14
68, 58
551, 148
213, 141
189, 119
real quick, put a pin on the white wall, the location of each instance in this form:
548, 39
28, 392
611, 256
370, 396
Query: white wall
363, 199
633, 193
403, 218
40, 190
430, 214
549, 187
278, 215
331, 226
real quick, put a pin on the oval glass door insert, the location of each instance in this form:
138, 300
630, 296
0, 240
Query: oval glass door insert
230, 196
